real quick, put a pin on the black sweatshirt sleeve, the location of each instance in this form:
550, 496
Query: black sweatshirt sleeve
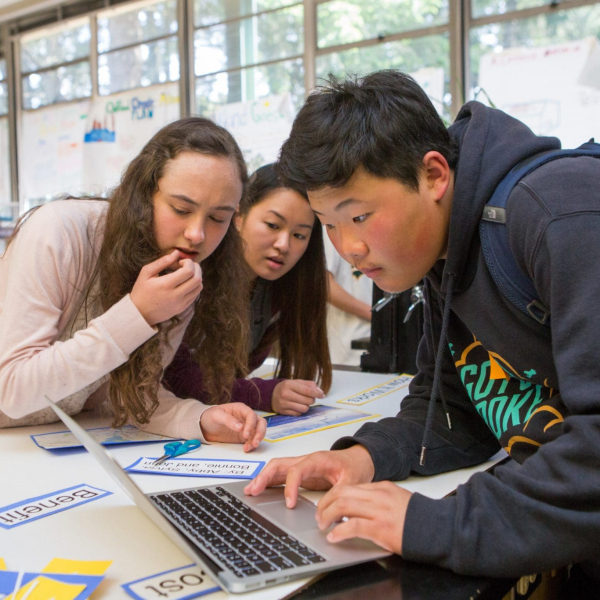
395, 443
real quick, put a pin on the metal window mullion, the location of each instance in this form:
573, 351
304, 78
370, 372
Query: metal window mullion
94, 55
136, 44
406, 35
248, 16
14, 112
185, 44
457, 55
527, 13
55, 67
265, 63
466, 47
310, 45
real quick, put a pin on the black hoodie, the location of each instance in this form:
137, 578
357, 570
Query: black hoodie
506, 380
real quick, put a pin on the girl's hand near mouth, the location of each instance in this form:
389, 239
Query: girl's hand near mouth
159, 298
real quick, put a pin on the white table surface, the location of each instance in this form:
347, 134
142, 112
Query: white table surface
113, 528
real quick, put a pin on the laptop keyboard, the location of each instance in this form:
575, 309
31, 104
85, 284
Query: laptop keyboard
236, 534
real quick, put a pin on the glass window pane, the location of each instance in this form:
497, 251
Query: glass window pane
118, 28
270, 36
3, 99
2, 69
483, 8
5, 191
543, 71
65, 83
146, 64
428, 56
209, 12
46, 48
552, 28
250, 84
346, 21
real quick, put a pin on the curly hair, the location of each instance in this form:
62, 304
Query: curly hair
219, 330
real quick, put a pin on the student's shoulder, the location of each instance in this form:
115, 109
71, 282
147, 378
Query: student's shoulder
66, 217
562, 187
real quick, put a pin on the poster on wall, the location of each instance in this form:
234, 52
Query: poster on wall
81, 148
118, 127
51, 152
555, 89
259, 126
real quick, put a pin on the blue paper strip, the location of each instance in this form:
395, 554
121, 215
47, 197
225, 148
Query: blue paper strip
32, 509
259, 466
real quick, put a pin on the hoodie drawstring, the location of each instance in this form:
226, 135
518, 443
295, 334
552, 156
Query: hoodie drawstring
437, 374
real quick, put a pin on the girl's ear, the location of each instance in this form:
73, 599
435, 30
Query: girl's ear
238, 220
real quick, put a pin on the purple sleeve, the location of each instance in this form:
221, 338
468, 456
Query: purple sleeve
184, 378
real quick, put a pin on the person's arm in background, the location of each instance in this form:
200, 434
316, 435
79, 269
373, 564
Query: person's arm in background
341, 299
184, 378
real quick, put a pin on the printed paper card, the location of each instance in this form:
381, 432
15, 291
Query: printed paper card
377, 391
35, 586
106, 436
317, 418
199, 467
32, 509
77, 567
177, 584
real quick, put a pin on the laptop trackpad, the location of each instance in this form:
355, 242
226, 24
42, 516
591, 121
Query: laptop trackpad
300, 519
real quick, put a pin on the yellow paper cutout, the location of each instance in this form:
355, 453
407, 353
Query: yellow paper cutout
65, 566
2, 564
42, 588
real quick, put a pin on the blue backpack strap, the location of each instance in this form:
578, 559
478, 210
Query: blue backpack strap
515, 285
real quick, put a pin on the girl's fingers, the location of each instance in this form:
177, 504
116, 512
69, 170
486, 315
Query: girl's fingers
306, 388
293, 409
154, 268
296, 398
227, 420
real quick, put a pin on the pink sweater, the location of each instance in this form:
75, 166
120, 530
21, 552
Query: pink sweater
50, 347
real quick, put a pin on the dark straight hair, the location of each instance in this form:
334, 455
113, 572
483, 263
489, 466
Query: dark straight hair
383, 122
300, 296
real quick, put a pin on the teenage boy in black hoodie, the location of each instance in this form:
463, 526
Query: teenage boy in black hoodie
402, 198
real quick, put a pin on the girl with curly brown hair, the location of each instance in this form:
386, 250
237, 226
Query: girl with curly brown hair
96, 295
283, 248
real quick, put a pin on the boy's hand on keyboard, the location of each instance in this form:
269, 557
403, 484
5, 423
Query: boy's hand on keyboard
317, 471
370, 511
234, 422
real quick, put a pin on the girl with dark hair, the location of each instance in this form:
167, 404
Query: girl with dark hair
95, 295
283, 248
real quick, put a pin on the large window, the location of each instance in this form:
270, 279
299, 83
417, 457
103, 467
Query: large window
542, 69
3, 88
356, 37
137, 46
246, 51
55, 64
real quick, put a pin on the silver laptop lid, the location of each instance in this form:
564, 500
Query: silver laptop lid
113, 468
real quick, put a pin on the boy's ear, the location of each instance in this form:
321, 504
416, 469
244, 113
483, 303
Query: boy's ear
437, 173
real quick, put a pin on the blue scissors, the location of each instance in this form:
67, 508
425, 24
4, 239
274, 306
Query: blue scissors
173, 449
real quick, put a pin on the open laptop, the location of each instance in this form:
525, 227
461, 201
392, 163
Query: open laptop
244, 542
